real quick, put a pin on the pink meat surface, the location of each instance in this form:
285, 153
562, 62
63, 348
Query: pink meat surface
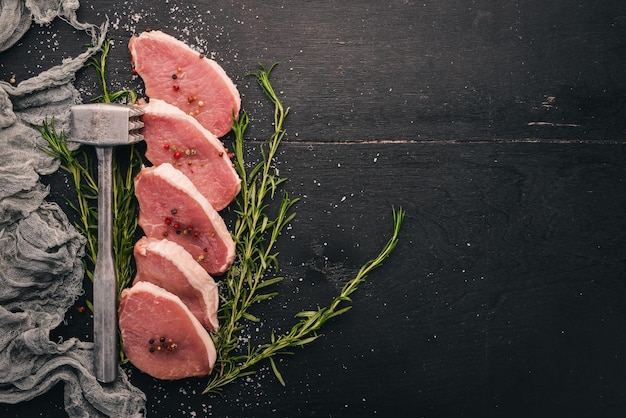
171, 207
177, 74
168, 265
160, 336
174, 137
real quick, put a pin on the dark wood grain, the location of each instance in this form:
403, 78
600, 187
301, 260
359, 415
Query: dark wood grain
499, 127
399, 69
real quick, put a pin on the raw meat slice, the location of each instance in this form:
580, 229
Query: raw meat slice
174, 137
173, 72
171, 207
168, 265
160, 336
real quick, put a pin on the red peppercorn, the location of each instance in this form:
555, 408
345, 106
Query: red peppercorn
81, 309
176, 226
175, 87
177, 154
166, 146
167, 221
133, 70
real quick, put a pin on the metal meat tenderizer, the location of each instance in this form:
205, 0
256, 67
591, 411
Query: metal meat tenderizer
105, 125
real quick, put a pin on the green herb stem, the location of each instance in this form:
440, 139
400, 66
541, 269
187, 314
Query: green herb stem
305, 330
76, 163
255, 235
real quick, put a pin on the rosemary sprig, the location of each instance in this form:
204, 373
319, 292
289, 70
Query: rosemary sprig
255, 237
125, 216
77, 164
83, 173
122, 96
124, 202
305, 330
255, 234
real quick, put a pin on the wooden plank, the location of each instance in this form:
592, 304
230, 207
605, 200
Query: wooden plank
498, 127
387, 70
507, 284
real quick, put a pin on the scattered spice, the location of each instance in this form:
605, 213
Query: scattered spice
174, 76
175, 87
81, 309
170, 345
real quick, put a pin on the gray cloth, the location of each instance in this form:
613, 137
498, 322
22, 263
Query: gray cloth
41, 271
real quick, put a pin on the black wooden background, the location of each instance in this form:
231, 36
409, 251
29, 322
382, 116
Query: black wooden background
499, 126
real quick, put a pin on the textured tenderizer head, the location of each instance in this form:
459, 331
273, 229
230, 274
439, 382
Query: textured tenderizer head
106, 124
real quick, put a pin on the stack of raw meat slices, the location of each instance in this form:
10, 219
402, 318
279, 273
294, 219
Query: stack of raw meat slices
165, 315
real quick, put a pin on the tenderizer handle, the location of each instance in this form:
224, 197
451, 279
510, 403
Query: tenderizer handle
105, 280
